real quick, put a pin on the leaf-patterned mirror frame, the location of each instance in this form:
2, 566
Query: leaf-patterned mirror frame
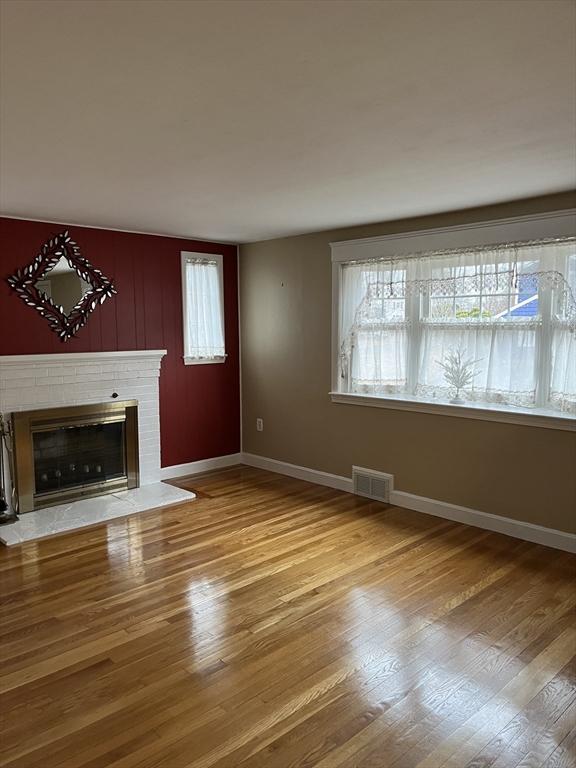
24, 280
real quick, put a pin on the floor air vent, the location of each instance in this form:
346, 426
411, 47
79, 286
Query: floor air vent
372, 484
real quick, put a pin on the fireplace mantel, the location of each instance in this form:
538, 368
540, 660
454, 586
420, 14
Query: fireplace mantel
76, 358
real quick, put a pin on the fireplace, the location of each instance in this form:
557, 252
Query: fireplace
63, 454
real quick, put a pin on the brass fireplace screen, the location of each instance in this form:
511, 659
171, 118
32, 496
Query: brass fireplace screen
62, 454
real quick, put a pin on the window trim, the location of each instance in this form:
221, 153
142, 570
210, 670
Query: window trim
555, 224
532, 417
184, 259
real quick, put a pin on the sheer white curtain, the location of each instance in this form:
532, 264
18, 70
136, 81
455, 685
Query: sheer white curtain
563, 342
507, 312
373, 325
501, 360
563, 384
204, 328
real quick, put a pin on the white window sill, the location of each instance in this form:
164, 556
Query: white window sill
204, 360
529, 417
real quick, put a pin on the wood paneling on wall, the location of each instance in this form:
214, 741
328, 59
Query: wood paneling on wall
199, 405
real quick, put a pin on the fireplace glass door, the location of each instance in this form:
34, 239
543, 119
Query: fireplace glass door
69, 457
63, 454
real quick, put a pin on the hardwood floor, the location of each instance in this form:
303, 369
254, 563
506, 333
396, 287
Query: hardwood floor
274, 623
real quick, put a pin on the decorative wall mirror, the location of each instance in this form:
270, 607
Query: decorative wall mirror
62, 286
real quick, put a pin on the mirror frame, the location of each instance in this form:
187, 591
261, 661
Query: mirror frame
23, 282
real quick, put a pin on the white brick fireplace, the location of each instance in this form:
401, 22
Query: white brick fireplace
30, 382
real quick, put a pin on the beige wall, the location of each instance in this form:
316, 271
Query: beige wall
522, 472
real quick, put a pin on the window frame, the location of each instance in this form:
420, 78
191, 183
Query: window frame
185, 257
523, 228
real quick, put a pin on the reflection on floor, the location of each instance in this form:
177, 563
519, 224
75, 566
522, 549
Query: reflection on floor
273, 623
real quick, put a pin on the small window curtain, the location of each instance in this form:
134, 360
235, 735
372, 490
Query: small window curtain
506, 313
204, 322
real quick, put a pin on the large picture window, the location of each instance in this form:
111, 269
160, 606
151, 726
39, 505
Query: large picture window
490, 326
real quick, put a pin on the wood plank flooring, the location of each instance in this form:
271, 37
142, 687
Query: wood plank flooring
275, 623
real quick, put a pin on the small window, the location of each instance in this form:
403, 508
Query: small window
203, 308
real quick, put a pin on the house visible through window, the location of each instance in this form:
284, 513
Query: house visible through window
203, 308
486, 327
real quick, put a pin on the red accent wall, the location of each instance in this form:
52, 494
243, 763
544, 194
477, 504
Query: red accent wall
199, 404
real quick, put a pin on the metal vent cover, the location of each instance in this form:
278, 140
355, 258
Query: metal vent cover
372, 484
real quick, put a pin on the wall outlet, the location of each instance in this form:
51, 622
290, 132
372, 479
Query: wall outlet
260, 425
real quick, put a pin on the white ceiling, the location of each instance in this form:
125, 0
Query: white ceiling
244, 120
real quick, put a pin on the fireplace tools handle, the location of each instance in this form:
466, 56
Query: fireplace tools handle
7, 515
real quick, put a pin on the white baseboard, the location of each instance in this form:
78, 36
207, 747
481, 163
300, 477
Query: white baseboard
204, 465
538, 534
549, 537
302, 473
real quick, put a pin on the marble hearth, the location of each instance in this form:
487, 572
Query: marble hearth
85, 512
